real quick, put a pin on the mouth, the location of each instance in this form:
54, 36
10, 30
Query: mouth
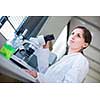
72, 41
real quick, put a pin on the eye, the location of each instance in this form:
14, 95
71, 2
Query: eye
78, 35
72, 33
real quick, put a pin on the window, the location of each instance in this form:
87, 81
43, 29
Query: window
11, 25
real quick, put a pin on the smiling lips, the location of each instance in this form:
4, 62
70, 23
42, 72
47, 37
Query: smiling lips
72, 41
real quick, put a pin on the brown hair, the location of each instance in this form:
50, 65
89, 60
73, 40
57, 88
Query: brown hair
87, 35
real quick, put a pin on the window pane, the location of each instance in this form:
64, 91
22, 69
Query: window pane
16, 20
7, 30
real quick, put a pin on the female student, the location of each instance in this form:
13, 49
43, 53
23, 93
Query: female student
73, 67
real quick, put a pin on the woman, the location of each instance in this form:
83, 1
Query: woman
72, 68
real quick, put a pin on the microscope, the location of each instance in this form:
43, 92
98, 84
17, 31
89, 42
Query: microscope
36, 43
26, 51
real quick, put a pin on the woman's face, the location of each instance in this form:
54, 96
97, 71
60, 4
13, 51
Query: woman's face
76, 40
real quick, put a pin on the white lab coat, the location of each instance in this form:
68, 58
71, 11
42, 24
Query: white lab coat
72, 68
42, 55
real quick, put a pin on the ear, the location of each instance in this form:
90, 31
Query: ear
85, 45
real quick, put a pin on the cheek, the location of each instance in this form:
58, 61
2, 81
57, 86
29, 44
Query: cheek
80, 44
76, 44
69, 40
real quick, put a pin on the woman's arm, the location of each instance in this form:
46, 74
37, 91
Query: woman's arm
31, 72
39, 76
77, 73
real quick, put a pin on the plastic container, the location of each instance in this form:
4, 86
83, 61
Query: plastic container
7, 51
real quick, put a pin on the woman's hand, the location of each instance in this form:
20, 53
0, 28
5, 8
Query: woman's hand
33, 73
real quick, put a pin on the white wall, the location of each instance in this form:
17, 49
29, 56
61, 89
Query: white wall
55, 25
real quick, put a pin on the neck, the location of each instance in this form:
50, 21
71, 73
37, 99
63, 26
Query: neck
70, 51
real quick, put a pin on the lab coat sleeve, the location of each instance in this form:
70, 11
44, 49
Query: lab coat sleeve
37, 42
42, 59
77, 73
41, 78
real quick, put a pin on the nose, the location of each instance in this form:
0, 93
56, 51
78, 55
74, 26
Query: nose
73, 37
